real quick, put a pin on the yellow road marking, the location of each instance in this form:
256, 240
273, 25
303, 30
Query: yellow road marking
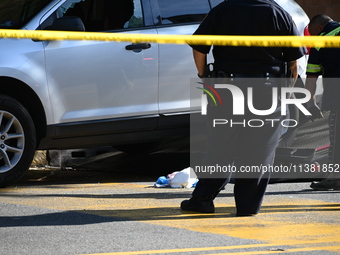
233, 247
289, 222
322, 248
184, 250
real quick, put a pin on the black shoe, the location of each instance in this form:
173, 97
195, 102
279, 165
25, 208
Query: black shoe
198, 206
245, 214
326, 184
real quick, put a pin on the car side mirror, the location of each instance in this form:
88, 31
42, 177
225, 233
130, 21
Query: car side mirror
68, 23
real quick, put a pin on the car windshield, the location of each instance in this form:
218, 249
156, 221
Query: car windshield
16, 13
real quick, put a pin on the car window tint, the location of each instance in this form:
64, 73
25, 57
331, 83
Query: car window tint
179, 11
104, 15
15, 14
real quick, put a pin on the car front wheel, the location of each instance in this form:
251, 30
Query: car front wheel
17, 140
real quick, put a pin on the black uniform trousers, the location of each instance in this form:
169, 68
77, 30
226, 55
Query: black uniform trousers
246, 142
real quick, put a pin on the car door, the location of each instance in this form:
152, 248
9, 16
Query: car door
98, 80
177, 66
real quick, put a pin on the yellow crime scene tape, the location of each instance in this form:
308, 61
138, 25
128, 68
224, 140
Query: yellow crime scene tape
259, 41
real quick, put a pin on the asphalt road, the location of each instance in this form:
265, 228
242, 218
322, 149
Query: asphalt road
109, 212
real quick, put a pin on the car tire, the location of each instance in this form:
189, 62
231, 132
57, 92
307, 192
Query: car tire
17, 140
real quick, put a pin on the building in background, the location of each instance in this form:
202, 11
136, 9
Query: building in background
314, 7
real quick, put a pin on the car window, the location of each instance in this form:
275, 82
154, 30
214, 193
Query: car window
215, 2
15, 14
103, 15
179, 11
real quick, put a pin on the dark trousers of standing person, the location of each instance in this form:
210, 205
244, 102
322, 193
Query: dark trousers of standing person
245, 141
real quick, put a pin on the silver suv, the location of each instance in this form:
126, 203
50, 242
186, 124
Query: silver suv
77, 94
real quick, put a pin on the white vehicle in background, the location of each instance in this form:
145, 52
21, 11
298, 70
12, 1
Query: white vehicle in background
84, 94
301, 21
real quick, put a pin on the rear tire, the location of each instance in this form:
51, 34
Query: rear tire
17, 140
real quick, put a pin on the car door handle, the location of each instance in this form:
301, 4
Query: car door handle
138, 46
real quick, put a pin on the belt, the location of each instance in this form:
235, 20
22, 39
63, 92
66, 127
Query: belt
221, 74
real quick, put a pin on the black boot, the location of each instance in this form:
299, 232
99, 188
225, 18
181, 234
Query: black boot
198, 205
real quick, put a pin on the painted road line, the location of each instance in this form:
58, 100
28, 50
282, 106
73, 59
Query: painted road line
184, 250
280, 223
234, 247
322, 248
283, 221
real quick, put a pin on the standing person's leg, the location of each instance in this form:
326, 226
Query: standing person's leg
249, 195
250, 187
219, 151
256, 152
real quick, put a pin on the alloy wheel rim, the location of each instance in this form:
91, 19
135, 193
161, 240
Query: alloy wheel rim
12, 141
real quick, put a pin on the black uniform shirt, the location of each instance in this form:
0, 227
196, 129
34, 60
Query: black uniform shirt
249, 17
